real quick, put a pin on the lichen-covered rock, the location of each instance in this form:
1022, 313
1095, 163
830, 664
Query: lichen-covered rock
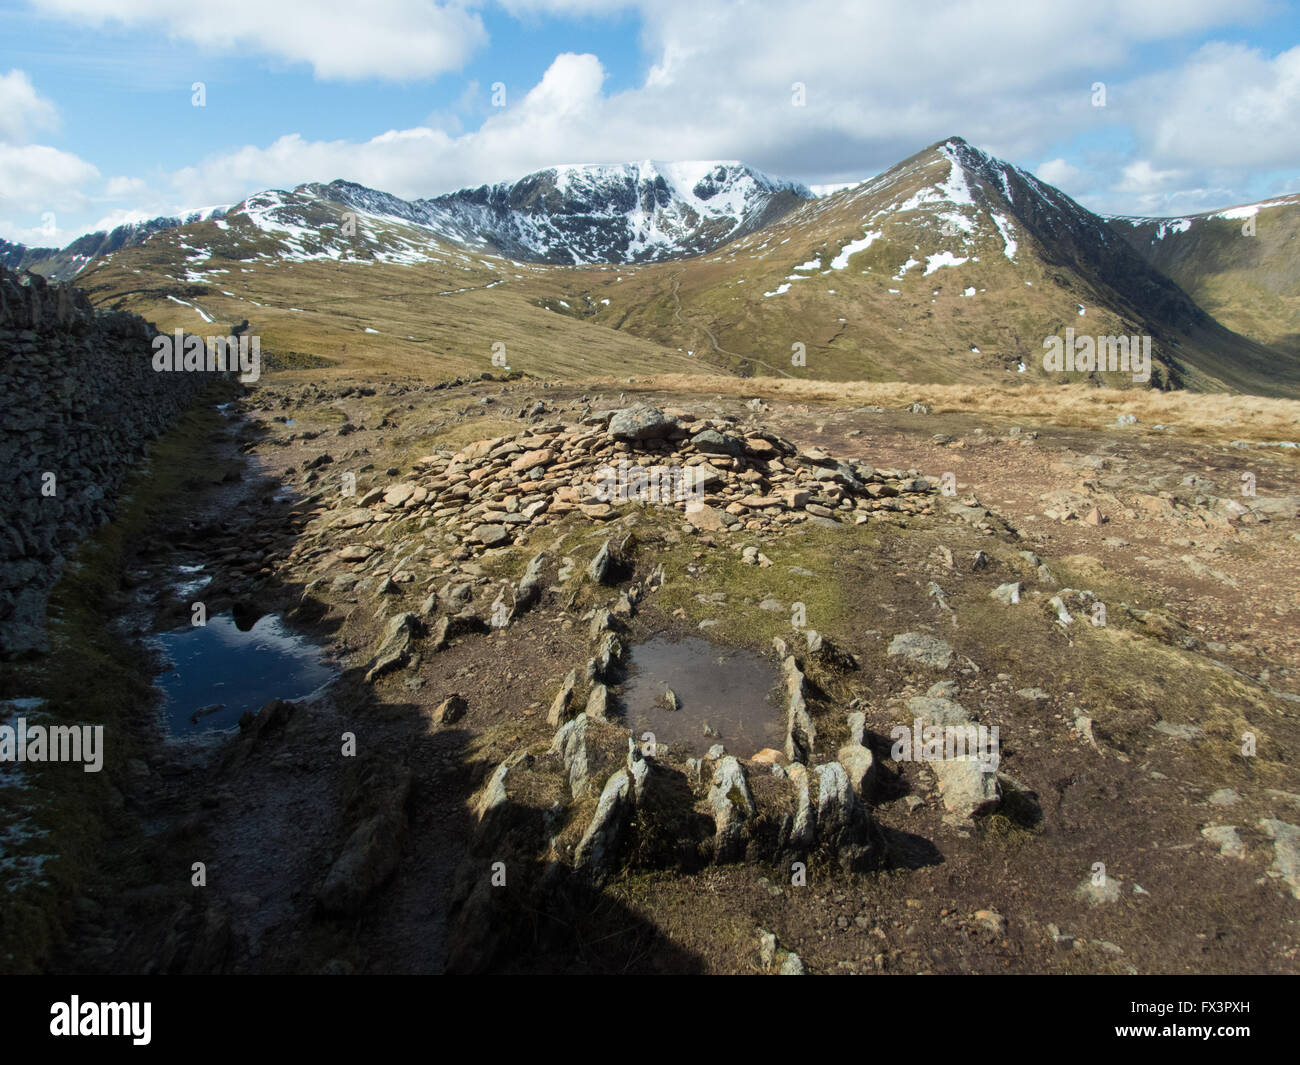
967, 785
598, 848
921, 649
733, 807
800, 732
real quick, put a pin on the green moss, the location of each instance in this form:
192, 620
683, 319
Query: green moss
740, 619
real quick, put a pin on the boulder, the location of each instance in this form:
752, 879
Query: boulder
641, 423
598, 848
967, 785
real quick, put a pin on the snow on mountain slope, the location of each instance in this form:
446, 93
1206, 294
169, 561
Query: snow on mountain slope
952, 263
626, 212
1158, 228
573, 214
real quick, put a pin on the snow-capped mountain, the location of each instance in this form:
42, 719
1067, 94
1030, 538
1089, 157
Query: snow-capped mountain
60, 264
616, 213
950, 266
1152, 229
631, 212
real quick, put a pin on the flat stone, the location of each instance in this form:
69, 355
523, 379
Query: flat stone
937, 710
353, 518
922, 649
531, 460
491, 535
398, 494
1227, 840
705, 517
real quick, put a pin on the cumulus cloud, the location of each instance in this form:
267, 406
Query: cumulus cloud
395, 40
40, 183
1058, 172
119, 188
22, 109
1229, 103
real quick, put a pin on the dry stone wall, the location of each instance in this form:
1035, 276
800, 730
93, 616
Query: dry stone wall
79, 399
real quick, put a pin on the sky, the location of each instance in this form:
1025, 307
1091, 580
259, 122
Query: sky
113, 110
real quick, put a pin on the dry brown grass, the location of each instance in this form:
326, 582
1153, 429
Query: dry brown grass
1213, 416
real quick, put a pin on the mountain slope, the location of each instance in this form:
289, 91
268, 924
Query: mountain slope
634, 212
627, 212
343, 293
1249, 281
951, 266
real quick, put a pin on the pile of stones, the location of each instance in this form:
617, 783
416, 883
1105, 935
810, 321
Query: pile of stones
492, 491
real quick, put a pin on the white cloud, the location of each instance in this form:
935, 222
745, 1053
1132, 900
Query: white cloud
1142, 178
1228, 104
37, 178
119, 188
1058, 172
38, 183
22, 109
396, 40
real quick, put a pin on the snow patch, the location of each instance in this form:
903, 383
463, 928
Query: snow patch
852, 248
943, 258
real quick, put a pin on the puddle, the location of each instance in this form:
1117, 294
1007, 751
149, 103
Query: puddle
735, 693
240, 666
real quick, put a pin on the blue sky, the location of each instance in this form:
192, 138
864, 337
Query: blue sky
97, 125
